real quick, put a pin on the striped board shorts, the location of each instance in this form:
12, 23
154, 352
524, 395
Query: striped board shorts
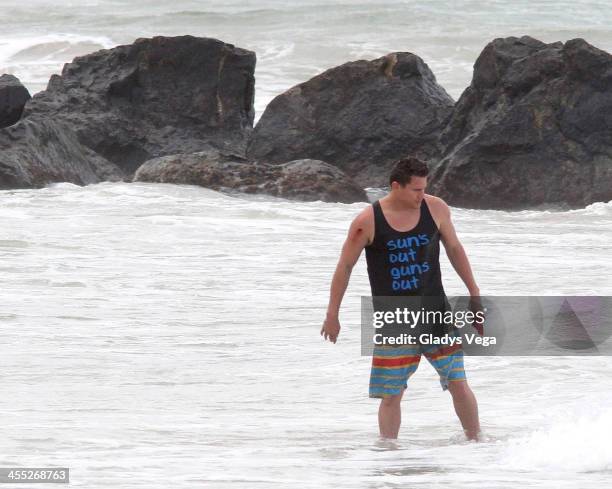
393, 365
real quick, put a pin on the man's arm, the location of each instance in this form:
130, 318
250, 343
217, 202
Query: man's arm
454, 250
459, 260
359, 236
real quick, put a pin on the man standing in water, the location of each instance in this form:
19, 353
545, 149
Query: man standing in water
404, 215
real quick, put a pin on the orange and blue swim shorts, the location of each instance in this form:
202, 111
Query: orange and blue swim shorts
392, 366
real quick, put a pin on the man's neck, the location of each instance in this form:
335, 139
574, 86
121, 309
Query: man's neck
395, 204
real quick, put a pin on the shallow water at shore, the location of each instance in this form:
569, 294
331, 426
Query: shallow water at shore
160, 334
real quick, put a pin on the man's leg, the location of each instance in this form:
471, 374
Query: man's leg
466, 407
391, 369
390, 415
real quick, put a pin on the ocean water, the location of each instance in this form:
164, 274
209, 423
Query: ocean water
157, 335
294, 40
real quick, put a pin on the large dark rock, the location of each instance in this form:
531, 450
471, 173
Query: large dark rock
298, 180
360, 116
534, 128
13, 96
34, 153
154, 97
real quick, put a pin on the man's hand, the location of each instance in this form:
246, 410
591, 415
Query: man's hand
331, 328
476, 308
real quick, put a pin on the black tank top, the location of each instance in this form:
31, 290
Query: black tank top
405, 263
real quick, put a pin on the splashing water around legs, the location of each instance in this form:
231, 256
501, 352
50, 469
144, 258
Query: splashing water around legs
464, 401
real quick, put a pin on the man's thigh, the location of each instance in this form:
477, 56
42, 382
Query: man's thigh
448, 362
391, 369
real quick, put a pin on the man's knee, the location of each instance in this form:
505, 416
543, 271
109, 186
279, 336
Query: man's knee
389, 401
459, 388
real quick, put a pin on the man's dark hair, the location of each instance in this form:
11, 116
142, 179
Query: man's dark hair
403, 170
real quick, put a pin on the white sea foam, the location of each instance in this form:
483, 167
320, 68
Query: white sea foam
573, 442
34, 58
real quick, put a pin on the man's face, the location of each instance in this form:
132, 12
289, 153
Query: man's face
413, 192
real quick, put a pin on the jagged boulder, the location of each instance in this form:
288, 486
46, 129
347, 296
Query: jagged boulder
534, 128
154, 97
13, 96
34, 153
360, 116
306, 180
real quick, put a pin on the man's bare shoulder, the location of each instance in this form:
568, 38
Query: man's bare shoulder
435, 201
365, 216
364, 222
439, 209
